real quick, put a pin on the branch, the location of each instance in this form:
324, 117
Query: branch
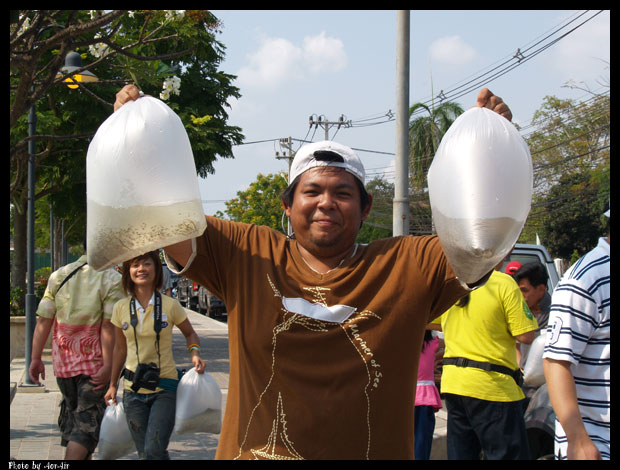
20, 146
123, 51
93, 95
27, 64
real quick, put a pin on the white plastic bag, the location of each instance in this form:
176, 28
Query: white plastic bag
480, 189
141, 185
199, 404
533, 374
115, 439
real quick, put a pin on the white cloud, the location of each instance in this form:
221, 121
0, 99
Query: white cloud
581, 55
322, 53
278, 60
451, 50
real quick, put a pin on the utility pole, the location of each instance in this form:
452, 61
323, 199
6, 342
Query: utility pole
400, 218
326, 123
287, 143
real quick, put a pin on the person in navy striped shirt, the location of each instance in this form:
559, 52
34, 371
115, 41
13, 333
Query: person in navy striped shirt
577, 357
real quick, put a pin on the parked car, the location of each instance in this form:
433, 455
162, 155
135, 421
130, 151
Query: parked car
525, 253
196, 297
182, 290
209, 304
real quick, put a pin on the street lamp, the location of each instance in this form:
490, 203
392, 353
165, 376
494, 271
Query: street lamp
73, 62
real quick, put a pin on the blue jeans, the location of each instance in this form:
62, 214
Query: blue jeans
150, 417
497, 429
424, 425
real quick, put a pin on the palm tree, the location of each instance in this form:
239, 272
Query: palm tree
425, 133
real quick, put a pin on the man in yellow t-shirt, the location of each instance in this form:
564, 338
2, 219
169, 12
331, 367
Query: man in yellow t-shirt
480, 373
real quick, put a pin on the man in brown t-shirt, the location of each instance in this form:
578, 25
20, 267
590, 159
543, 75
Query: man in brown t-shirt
324, 334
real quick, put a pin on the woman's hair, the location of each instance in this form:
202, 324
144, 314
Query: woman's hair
463, 301
128, 284
428, 337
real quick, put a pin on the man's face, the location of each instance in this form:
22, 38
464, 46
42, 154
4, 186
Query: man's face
531, 294
326, 213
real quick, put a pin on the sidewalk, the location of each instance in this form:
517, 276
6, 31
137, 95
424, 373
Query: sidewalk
34, 433
34, 430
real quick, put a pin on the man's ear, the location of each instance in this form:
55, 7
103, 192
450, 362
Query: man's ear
366, 210
287, 209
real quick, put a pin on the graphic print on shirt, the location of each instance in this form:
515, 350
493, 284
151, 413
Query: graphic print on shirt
317, 316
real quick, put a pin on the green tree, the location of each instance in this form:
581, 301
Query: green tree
572, 221
425, 133
260, 204
379, 222
570, 137
427, 126
145, 47
571, 160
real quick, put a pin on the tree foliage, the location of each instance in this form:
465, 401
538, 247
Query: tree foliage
144, 47
572, 220
425, 133
379, 222
260, 204
570, 154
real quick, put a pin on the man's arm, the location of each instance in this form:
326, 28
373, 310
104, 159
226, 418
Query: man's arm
563, 394
101, 378
41, 333
180, 252
526, 338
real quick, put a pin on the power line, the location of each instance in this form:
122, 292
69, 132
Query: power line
514, 60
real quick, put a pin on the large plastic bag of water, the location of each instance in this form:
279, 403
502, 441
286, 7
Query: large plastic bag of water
533, 374
480, 189
115, 439
141, 185
199, 404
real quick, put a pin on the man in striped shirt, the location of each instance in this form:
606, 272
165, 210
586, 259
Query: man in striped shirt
577, 357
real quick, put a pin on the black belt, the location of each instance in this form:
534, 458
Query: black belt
166, 384
517, 375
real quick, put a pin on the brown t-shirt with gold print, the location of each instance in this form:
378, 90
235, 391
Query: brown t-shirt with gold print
322, 366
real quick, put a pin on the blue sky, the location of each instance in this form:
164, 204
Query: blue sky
294, 64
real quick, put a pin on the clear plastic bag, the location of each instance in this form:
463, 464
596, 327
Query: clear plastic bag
480, 189
142, 189
533, 373
115, 439
199, 404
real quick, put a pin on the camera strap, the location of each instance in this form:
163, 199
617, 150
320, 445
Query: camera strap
157, 316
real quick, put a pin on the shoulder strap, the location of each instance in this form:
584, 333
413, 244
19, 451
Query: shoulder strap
70, 276
157, 316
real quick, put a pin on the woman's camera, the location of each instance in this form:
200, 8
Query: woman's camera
146, 376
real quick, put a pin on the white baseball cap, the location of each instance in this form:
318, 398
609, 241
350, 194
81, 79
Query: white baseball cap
317, 154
